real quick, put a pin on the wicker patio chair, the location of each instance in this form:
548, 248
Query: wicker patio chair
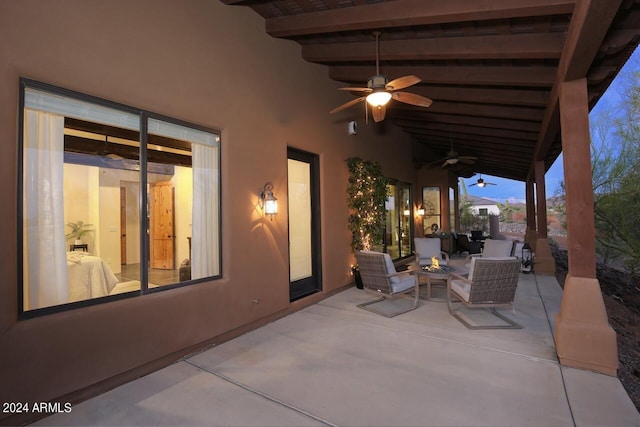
428, 247
379, 275
491, 283
493, 248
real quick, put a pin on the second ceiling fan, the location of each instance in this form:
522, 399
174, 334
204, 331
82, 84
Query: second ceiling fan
453, 158
481, 183
380, 91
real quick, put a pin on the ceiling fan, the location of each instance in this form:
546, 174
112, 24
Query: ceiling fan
453, 158
380, 91
481, 183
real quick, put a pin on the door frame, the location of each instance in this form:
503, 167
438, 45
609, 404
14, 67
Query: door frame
307, 286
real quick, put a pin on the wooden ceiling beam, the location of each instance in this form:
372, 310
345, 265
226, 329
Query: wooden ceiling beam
482, 122
533, 98
517, 136
538, 76
478, 110
401, 13
589, 24
469, 144
516, 46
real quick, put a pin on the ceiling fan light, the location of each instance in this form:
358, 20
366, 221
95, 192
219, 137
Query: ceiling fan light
378, 99
452, 161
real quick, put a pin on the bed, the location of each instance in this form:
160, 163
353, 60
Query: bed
89, 276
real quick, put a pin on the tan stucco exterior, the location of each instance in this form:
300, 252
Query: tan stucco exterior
212, 65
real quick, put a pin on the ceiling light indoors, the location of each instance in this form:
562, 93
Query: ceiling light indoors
378, 99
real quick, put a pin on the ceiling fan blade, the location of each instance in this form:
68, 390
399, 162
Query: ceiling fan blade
412, 98
402, 82
356, 89
471, 185
445, 164
348, 104
467, 160
378, 113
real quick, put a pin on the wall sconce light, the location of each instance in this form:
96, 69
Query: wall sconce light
421, 210
268, 201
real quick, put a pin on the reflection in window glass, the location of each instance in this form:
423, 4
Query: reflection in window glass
81, 198
431, 201
452, 210
182, 199
399, 220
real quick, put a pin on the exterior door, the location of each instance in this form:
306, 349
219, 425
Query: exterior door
161, 237
304, 224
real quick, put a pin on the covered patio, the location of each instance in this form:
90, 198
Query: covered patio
335, 364
512, 82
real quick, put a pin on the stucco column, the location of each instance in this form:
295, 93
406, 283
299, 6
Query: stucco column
584, 337
543, 262
531, 236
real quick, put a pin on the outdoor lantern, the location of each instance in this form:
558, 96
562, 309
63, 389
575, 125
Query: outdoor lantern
421, 210
527, 258
268, 201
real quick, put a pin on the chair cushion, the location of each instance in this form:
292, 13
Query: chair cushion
391, 269
461, 288
426, 248
500, 248
403, 283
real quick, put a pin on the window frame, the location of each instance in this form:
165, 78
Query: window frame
144, 117
399, 207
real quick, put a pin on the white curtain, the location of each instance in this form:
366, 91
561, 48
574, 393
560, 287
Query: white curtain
45, 263
204, 224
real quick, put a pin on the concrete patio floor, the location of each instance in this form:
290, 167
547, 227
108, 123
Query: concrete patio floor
335, 364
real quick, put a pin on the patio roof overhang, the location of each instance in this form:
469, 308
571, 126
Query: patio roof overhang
492, 69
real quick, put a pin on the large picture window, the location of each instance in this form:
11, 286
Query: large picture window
115, 201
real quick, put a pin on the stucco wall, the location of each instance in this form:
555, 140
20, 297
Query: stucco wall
206, 63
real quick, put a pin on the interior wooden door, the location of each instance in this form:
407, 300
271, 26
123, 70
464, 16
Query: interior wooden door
161, 226
123, 225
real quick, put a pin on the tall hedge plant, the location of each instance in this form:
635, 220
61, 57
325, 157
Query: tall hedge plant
366, 195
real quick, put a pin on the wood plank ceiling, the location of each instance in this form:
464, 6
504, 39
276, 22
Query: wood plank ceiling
492, 68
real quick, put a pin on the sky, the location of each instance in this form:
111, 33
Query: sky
514, 191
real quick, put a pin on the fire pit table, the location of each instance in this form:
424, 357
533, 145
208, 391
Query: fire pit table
440, 272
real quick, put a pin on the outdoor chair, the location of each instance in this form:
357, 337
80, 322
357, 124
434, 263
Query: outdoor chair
493, 248
475, 247
491, 283
477, 235
379, 275
428, 247
462, 244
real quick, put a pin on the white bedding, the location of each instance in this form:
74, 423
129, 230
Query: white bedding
89, 276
